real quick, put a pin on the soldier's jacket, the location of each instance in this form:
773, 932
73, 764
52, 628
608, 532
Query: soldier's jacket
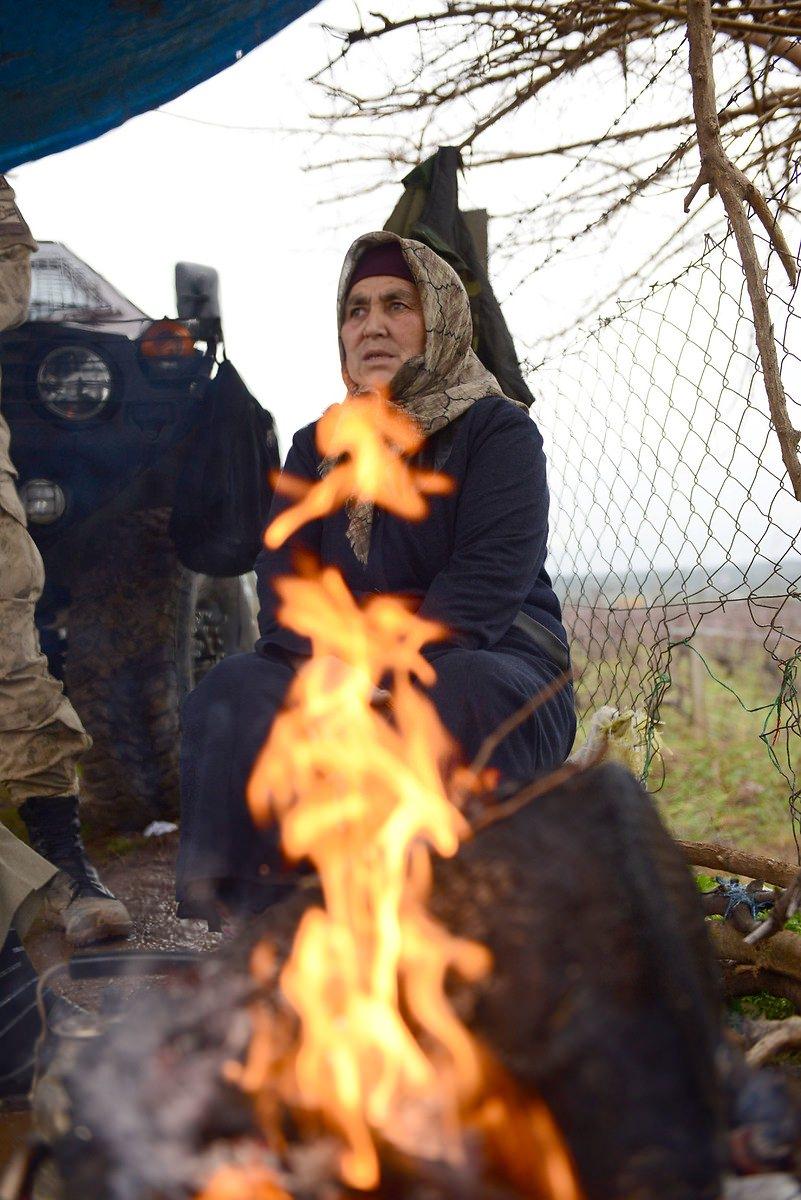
41, 736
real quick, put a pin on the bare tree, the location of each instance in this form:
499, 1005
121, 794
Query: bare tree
479, 67
484, 67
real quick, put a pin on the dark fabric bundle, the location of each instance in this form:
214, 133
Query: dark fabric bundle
429, 212
223, 492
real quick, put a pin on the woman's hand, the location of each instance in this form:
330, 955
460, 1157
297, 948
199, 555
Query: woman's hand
335, 670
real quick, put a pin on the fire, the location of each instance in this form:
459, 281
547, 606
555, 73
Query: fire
362, 792
361, 796
365, 438
243, 1183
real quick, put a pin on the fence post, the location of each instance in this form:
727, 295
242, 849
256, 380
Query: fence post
698, 691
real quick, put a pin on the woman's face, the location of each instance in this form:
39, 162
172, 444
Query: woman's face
383, 328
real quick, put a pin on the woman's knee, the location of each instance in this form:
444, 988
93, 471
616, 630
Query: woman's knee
467, 673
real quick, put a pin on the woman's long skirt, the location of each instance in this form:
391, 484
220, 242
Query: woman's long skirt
224, 859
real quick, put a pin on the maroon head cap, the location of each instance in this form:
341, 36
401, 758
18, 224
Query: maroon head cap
384, 259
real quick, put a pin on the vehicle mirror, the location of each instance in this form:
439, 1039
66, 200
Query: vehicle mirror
197, 292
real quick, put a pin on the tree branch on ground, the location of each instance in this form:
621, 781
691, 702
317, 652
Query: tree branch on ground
781, 954
785, 1035
739, 862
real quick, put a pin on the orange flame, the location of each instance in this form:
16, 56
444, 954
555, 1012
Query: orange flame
362, 794
360, 797
243, 1183
365, 437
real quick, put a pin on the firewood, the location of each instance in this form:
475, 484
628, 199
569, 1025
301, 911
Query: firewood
786, 906
746, 979
781, 953
738, 862
785, 1035
602, 986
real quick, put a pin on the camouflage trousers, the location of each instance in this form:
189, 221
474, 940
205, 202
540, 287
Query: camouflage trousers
24, 877
41, 736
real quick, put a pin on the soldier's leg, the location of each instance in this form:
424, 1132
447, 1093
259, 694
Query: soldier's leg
24, 879
41, 737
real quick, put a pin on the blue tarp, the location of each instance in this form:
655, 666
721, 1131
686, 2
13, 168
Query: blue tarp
72, 69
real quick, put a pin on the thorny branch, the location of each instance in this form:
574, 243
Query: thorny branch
478, 64
720, 174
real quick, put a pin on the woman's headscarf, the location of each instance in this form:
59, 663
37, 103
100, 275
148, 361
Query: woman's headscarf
438, 386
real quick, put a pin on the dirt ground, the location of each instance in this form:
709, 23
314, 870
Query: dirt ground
143, 877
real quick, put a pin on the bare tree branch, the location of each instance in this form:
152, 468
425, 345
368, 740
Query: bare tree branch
500, 57
766, 105
720, 174
738, 862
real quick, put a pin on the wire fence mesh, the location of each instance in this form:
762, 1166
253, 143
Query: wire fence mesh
674, 530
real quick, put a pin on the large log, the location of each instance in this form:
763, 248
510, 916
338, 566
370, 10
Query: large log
780, 954
604, 996
602, 999
740, 862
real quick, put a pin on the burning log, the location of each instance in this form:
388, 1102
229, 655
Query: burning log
602, 977
601, 1000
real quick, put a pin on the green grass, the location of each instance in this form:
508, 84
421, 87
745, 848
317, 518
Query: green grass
717, 783
720, 784
762, 1005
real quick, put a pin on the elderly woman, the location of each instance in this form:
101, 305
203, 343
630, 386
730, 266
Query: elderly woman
475, 563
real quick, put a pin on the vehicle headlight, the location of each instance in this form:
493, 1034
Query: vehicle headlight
74, 382
43, 501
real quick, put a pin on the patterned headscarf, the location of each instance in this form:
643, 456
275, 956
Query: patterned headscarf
438, 386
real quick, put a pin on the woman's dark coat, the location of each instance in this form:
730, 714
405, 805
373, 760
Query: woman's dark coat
474, 563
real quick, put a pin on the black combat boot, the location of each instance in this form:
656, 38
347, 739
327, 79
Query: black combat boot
77, 900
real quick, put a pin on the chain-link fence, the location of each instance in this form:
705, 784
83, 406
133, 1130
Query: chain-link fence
675, 531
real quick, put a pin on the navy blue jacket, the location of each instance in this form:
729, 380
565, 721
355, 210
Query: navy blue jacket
473, 563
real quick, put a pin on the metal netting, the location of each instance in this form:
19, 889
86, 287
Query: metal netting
673, 524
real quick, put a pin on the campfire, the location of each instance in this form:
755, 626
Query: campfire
471, 996
361, 775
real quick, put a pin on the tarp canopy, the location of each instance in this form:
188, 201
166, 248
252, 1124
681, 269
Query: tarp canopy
73, 69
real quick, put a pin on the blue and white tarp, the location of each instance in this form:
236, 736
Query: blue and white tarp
73, 69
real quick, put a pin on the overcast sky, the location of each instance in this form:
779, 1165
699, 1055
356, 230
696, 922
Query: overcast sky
186, 183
